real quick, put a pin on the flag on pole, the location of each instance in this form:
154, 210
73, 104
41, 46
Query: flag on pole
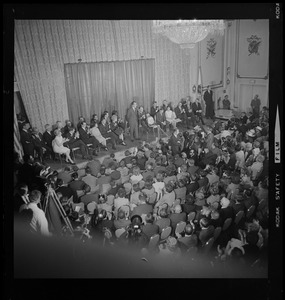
17, 144
200, 91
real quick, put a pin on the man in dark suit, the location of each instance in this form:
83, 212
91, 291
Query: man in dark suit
48, 138
175, 142
161, 119
132, 118
39, 144
27, 140
74, 142
208, 98
154, 109
177, 217
87, 139
107, 133
149, 229
197, 110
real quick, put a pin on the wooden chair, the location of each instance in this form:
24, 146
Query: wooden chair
250, 212
165, 233
180, 227
227, 224
217, 232
73, 152
238, 217
153, 242
191, 216
208, 246
59, 156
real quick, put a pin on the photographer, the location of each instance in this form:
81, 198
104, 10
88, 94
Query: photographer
133, 236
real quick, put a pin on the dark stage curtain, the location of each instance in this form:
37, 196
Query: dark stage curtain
96, 87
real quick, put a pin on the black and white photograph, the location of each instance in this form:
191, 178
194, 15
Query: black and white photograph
146, 145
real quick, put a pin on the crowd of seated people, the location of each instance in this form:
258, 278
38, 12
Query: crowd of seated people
205, 188
59, 139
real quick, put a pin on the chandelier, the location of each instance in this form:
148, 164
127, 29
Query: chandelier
187, 33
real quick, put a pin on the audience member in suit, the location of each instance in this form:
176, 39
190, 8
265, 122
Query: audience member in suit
80, 121
88, 196
180, 113
74, 141
90, 180
189, 113
48, 137
107, 133
65, 175
149, 229
189, 205
40, 146
162, 220
121, 221
21, 197
197, 110
216, 220
66, 191
161, 119
175, 142
27, 140
26, 173
87, 139
177, 217
66, 128
188, 238
77, 184
132, 118
226, 211
154, 109
206, 231
143, 207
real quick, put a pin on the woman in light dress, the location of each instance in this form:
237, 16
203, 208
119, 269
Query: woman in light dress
171, 117
57, 145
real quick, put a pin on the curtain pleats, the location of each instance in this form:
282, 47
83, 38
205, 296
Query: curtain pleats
96, 87
42, 47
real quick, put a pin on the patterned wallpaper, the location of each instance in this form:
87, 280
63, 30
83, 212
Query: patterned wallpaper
42, 47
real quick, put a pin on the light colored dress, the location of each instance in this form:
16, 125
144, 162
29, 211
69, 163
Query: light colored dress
57, 145
94, 131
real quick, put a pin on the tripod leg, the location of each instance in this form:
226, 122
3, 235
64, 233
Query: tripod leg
62, 211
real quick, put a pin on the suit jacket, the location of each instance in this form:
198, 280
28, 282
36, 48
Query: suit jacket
104, 129
208, 97
206, 234
160, 118
150, 229
175, 143
27, 142
132, 117
38, 140
76, 185
196, 106
84, 136
48, 138
176, 218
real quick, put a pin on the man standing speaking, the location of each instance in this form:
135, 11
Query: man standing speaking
132, 118
208, 98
